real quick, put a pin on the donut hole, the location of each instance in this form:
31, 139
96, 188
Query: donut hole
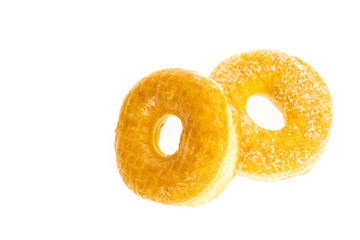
170, 134
264, 113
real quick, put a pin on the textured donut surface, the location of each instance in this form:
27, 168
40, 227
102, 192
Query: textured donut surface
298, 91
206, 159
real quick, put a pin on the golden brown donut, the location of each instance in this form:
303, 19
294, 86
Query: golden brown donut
205, 161
298, 91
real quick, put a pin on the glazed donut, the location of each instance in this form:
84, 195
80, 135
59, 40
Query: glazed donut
205, 161
298, 92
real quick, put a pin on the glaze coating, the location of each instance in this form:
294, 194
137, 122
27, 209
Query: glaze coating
205, 161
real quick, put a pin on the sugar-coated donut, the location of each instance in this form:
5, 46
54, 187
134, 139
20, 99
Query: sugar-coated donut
205, 161
298, 91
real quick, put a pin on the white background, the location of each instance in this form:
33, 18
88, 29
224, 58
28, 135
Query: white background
65, 67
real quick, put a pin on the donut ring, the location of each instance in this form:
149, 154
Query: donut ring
205, 161
298, 91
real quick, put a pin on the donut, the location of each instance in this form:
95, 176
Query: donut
298, 91
205, 161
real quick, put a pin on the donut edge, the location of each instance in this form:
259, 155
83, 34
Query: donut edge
227, 171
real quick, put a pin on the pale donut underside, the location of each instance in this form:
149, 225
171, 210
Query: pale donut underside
205, 161
302, 96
